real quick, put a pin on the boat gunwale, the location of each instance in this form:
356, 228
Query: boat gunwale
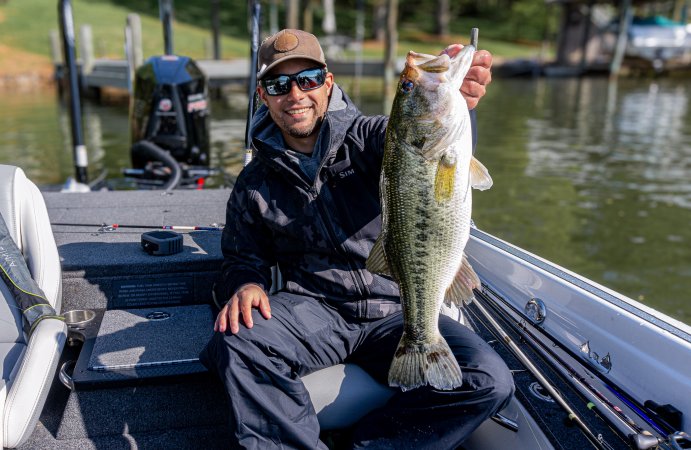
654, 317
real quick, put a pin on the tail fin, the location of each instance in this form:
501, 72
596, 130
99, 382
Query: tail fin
416, 365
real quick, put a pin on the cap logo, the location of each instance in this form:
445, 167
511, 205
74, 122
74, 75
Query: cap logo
286, 42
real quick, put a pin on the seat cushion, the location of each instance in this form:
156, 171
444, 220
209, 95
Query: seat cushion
10, 354
31, 380
10, 317
343, 394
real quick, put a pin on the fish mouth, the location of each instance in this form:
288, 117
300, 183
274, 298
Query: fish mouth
418, 64
429, 63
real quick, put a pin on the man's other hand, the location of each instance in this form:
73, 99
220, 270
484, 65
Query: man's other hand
240, 304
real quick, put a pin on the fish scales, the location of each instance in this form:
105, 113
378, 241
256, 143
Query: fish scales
427, 173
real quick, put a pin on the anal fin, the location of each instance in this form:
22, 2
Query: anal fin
461, 289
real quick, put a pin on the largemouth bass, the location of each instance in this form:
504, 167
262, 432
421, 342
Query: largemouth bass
427, 174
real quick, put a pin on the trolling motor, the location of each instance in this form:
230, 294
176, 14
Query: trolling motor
169, 118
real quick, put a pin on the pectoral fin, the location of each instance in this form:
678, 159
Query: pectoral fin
461, 289
444, 181
376, 261
479, 175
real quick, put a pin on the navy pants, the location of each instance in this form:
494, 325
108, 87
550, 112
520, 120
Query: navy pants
270, 407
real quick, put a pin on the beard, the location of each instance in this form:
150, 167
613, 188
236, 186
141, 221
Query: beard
302, 129
303, 132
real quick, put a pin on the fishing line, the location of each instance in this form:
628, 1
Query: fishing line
114, 227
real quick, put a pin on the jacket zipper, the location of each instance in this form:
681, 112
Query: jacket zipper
355, 272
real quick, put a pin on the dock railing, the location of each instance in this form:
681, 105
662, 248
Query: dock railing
97, 73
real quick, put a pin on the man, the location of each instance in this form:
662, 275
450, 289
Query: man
309, 202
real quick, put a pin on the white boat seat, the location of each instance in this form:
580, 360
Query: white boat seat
344, 393
28, 364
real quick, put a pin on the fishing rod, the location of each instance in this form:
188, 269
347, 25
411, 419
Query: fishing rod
662, 427
625, 419
641, 439
115, 226
597, 441
252, 90
79, 152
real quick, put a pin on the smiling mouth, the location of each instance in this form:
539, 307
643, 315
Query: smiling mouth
297, 112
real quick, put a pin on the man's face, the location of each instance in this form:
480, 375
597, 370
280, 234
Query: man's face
297, 113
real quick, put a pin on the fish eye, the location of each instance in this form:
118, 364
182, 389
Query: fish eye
407, 86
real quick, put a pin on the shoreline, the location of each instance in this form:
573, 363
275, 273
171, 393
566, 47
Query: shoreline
24, 70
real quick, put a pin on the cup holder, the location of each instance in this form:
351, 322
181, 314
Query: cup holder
78, 318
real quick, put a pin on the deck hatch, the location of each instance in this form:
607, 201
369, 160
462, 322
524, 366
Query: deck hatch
138, 338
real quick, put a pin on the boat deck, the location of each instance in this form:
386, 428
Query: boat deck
108, 272
109, 269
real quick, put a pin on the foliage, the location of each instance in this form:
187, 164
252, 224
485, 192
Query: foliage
25, 24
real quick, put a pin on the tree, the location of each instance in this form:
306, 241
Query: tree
442, 18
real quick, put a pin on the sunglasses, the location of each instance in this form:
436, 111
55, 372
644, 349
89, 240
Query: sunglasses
307, 80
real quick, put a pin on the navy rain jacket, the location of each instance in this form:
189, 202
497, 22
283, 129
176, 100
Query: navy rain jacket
318, 231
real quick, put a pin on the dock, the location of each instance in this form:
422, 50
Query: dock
114, 73
97, 73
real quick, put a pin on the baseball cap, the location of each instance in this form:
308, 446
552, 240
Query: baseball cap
288, 44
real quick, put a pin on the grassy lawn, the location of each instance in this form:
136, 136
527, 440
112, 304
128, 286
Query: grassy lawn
25, 27
25, 24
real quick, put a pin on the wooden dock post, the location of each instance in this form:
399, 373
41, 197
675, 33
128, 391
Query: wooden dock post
622, 39
55, 50
133, 47
86, 49
216, 28
56, 56
134, 23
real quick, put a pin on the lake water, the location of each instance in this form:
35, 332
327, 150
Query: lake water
591, 174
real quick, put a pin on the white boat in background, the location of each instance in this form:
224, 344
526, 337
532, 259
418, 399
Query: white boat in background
657, 40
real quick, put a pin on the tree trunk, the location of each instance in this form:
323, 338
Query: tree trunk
329, 22
379, 22
308, 17
442, 18
292, 13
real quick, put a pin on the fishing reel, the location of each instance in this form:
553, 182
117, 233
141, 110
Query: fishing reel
676, 441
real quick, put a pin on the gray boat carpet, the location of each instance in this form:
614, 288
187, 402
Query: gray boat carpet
211, 437
151, 337
143, 409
